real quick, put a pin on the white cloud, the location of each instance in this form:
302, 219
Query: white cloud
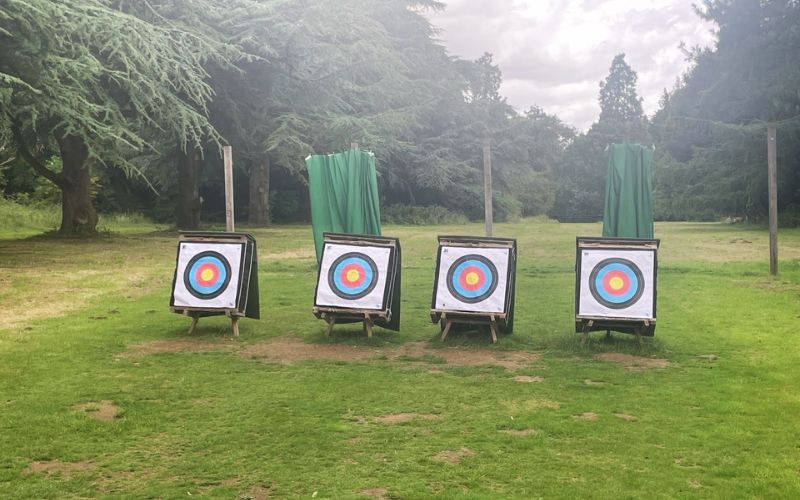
554, 53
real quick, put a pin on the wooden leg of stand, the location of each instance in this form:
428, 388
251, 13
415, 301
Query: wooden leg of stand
586, 327
447, 324
493, 328
368, 325
195, 319
235, 325
331, 321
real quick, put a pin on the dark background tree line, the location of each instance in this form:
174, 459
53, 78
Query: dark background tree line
122, 105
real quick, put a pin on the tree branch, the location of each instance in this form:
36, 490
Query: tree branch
38, 167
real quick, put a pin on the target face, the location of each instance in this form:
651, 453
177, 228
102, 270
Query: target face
353, 276
472, 278
616, 283
208, 275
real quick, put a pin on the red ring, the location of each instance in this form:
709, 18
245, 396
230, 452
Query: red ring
199, 274
352, 267
626, 282
462, 279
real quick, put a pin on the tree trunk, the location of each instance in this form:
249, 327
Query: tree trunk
259, 193
78, 216
188, 208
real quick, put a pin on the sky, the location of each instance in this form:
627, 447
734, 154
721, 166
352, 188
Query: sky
554, 53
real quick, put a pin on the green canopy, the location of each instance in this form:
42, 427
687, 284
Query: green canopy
344, 195
629, 202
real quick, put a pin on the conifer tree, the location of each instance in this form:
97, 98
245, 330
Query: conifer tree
86, 81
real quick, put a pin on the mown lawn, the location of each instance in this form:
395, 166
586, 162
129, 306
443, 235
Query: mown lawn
83, 323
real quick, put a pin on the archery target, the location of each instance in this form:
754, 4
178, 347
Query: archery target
472, 279
617, 283
353, 276
207, 275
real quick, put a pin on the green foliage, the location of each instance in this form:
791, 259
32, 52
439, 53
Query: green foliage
713, 123
619, 100
24, 219
420, 216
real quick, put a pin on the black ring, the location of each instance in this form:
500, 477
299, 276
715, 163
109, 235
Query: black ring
221, 289
484, 295
612, 305
363, 293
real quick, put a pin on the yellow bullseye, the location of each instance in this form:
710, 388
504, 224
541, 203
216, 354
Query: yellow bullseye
206, 274
616, 283
352, 275
472, 278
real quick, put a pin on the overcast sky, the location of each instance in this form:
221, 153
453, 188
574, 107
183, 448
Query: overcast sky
554, 53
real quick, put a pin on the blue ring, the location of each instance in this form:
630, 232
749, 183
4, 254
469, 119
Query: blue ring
631, 271
215, 289
488, 278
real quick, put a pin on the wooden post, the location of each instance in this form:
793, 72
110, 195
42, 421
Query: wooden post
353, 145
487, 185
227, 153
772, 169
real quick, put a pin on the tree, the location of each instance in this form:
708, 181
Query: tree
581, 180
83, 80
619, 101
713, 124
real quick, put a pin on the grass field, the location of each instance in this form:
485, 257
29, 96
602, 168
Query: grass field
102, 392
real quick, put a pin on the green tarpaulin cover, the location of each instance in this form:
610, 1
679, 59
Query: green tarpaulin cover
629, 202
344, 195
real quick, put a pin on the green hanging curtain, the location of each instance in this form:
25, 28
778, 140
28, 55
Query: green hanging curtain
343, 188
629, 192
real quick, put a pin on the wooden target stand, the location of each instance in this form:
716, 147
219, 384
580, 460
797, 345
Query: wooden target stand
368, 318
386, 317
247, 297
498, 322
641, 328
196, 315
448, 318
587, 323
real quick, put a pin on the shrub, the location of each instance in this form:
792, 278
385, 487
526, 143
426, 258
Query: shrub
420, 216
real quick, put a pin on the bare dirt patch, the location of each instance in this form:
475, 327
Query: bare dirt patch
593, 382
626, 417
695, 484
101, 410
527, 378
256, 493
520, 432
453, 456
289, 350
631, 362
589, 415
167, 346
65, 469
379, 493
531, 405
399, 418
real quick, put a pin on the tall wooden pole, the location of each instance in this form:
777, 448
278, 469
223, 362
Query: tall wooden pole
227, 155
487, 185
772, 168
